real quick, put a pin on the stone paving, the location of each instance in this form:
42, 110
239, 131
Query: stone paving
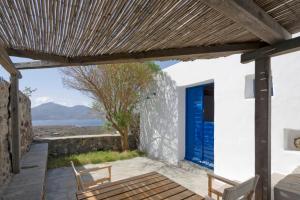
29, 183
61, 184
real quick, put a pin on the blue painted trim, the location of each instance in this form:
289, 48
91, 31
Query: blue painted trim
199, 143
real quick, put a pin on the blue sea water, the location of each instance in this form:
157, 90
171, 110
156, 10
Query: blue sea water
71, 122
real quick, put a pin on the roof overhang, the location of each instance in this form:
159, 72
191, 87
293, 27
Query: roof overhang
73, 32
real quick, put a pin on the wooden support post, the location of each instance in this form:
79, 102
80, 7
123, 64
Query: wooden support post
263, 127
14, 123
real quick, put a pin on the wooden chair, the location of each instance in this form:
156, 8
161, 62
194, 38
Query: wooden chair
236, 191
86, 185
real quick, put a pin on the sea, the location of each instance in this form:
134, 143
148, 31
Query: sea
71, 122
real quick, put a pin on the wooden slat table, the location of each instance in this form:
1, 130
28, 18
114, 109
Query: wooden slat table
152, 186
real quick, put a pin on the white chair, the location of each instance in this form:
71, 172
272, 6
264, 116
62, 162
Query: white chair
237, 191
84, 186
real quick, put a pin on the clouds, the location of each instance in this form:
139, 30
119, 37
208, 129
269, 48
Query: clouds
40, 100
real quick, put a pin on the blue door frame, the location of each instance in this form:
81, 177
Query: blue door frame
199, 132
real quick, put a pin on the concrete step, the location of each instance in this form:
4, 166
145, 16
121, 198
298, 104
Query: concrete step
29, 183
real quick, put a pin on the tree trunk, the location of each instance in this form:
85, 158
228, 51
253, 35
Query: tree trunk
124, 136
124, 141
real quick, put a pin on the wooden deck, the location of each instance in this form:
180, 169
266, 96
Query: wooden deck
147, 186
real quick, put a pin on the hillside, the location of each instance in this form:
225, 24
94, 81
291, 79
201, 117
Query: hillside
53, 111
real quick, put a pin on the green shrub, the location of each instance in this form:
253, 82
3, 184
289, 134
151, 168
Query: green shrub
91, 158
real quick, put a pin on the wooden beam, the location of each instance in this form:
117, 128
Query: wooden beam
6, 62
14, 123
173, 53
263, 127
39, 65
36, 55
163, 54
251, 17
280, 48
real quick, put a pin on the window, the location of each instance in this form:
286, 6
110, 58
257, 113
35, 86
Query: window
250, 86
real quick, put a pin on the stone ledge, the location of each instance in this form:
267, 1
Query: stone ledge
29, 183
41, 139
60, 146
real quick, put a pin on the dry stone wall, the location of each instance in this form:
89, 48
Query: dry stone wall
5, 162
25, 130
25, 123
61, 146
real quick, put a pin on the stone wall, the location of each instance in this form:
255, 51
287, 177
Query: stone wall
25, 129
81, 144
5, 164
25, 123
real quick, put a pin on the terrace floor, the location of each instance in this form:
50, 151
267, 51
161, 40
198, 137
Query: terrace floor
61, 184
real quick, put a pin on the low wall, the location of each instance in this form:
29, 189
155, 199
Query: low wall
25, 129
81, 144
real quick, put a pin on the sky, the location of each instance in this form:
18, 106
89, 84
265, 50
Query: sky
50, 88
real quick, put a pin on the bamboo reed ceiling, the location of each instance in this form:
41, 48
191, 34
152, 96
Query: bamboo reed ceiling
286, 12
73, 28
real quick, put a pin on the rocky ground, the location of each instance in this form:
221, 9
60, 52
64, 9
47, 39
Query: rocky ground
62, 131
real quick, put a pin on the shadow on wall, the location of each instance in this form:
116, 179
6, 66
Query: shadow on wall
159, 121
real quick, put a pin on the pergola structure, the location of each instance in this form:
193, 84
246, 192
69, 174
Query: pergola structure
82, 32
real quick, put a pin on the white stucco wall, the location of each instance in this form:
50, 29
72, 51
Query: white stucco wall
163, 117
159, 121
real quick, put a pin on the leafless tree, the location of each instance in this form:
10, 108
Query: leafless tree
116, 88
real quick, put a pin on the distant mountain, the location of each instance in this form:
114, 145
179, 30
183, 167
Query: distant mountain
53, 111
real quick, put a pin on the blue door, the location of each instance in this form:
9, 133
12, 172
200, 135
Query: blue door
199, 130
